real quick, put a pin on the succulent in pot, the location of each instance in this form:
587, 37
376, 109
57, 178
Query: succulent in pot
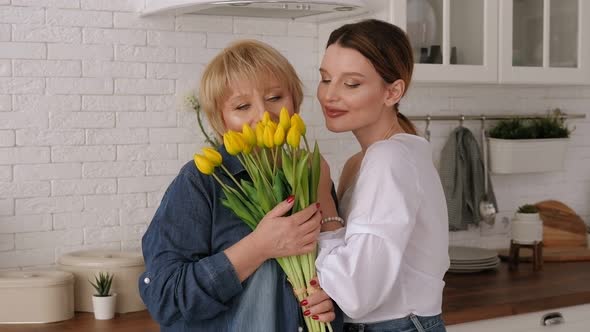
527, 226
102, 283
104, 303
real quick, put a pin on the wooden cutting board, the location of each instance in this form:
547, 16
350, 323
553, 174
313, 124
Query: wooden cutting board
564, 235
562, 227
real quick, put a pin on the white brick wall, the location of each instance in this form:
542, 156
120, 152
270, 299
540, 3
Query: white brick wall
93, 126
5, 68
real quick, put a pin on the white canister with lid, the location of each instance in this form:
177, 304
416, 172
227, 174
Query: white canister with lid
36, 296
125, 266
527, 228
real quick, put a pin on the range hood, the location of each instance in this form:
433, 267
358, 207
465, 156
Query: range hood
301, 10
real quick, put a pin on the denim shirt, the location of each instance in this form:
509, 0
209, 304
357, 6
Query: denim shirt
190, 284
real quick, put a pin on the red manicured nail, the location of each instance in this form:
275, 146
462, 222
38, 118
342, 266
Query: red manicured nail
313, 282
290, 199
315, 317
303, 303
306, 313
317, 205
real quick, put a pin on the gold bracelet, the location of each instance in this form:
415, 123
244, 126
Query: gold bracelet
331, 219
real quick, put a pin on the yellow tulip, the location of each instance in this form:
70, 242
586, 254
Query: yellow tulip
293, 137
284, 119
268, 137
247, 148
266, 117
239, 140
279, 136
273, 126
298, 121
233, 143
249, 134
260, 134
213, 156
228, 144
204, 165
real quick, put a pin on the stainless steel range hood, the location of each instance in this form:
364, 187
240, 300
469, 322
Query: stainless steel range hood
311, 10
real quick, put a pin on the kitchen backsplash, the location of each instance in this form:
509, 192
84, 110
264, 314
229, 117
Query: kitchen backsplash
93, 125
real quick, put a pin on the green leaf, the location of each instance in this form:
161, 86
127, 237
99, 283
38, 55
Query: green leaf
278, 189
287, 164
248, 187
315, 173
102, 283
238, 208
302, 186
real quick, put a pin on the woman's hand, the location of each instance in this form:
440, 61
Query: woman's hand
279, 236
319, 305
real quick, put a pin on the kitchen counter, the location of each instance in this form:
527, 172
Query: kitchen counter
492, 294
84, 322
467, 297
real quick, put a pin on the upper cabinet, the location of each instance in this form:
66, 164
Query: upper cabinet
545, 41
453, 40
491, 41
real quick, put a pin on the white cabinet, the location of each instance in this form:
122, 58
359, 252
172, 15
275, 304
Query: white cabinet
490, 41
453, 40
575, 319
545, 41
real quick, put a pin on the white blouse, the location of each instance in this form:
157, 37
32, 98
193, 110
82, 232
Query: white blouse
390, 259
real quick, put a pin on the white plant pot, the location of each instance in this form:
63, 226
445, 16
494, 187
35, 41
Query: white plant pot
527, 155
527, 228
104, 306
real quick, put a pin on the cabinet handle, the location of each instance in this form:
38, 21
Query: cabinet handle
552, 318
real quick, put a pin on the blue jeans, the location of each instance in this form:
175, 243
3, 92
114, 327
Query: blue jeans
411, 323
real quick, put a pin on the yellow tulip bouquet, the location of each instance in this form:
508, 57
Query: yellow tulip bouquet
278, 167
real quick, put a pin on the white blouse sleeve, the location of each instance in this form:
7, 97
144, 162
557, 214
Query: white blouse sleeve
359, 265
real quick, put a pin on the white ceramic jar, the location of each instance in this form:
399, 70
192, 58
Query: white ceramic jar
527, 228
125, 266
36, 296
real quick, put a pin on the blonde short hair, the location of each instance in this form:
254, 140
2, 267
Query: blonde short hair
244, 60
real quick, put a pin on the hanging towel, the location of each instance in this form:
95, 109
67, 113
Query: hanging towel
462, 177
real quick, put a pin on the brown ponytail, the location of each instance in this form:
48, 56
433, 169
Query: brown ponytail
406, 124
387, 47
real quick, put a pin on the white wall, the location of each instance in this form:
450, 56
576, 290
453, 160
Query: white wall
93, 127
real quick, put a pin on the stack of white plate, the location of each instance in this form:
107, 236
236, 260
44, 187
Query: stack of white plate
471, 259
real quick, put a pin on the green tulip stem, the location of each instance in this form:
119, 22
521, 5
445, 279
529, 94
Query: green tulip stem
256, 158
272, 155
276, 154
233, 178
265, 162
294, 158
306, 144
223, 185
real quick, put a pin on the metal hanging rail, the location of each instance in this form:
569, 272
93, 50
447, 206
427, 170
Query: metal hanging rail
490, 117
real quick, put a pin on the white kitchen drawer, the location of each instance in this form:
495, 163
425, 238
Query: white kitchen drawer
576, 318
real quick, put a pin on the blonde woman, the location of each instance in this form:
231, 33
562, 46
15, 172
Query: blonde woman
205, 270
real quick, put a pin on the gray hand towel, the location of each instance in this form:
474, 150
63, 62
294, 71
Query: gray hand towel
462, 177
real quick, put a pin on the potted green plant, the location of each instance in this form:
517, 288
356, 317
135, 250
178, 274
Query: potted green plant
528, 145
527, 226
103, 301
